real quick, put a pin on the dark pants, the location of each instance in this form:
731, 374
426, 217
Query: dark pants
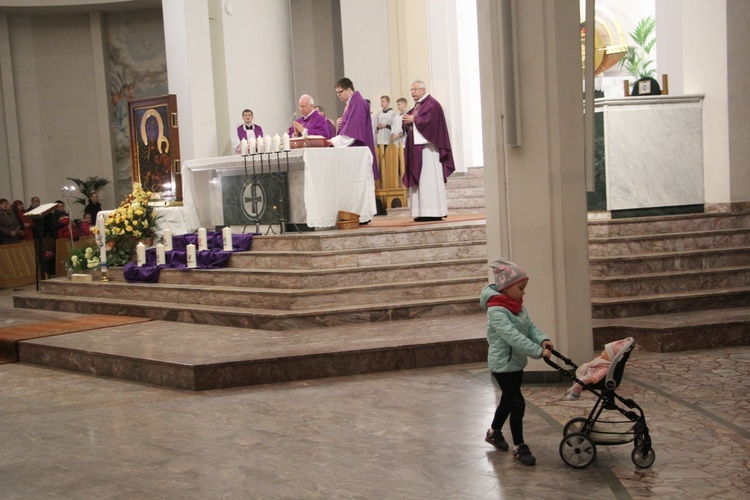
511, 404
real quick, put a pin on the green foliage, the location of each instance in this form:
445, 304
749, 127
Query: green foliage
83, 258
88, 186
638, 59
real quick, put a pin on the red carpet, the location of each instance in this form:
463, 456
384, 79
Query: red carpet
10, 335
383, 222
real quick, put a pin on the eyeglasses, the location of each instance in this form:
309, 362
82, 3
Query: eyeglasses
339, 92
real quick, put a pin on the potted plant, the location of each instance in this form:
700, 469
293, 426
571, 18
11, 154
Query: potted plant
637, 61
88, 186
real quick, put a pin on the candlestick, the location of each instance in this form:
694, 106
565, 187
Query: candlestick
160, 255
276, 142
251, 145
202, 239
191, 255
286, 146
226, 235
167, 236
243, 146
141, 254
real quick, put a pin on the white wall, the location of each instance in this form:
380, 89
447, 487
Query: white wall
258, 60
366, 50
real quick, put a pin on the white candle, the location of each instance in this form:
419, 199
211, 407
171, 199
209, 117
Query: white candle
226, 235
243, 146
101, 240
167, 236
141, 254
267, 144
259, 144
160, 256
202, 239
286, 146
191, 255
251, 145
276, 142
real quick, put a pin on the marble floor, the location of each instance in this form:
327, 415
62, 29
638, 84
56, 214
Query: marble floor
398, 435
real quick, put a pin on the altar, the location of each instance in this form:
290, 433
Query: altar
240, 190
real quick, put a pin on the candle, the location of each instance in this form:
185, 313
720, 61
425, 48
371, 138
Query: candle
101, 240
202, 239
167, 237
226, 235
141, 254
191, 255
267, 144
160, 256
251, 145
286, 146
243, 146
259, 144
276, 142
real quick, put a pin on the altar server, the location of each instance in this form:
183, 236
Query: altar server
246, 128
355, 126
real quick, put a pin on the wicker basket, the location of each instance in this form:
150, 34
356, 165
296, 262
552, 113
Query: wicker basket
348, 216
347, 224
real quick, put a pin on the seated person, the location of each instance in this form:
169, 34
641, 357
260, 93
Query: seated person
64, 227
84, 225
596, 369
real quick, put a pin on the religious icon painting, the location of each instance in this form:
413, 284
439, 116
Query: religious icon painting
155, 147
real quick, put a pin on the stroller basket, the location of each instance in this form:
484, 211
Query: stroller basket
582, 434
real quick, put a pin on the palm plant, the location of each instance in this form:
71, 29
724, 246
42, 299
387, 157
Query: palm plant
637, 61
88, 186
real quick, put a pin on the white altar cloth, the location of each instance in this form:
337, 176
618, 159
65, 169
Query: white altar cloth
322, 181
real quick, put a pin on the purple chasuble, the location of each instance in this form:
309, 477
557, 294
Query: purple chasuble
315, 123
357, 124
430, 120
242, 133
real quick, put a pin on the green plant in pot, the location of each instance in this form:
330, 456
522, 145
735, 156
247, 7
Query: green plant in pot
638, 60
88, 186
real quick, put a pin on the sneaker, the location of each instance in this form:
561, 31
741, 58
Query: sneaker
496, 439
523, 455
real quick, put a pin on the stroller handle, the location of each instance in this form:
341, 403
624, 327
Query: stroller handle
559, 368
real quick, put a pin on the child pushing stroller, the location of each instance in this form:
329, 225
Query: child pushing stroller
602, 376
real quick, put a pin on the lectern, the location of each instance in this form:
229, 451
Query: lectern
36, 215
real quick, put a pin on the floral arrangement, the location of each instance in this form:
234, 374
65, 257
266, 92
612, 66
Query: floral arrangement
83, 258
133, 221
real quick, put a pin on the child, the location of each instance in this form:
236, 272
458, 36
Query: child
596, 369
84, 225
513, 337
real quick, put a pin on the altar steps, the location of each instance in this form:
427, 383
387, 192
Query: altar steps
302, 281
673, 282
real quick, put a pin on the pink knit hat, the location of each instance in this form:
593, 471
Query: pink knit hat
615, 347
507, 274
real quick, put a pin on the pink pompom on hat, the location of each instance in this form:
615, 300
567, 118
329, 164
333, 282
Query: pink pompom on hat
507, 274
615, 347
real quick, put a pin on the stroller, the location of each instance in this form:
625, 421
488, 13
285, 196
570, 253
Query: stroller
582, 434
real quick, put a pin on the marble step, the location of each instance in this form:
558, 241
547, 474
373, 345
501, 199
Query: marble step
679, 332
352, 296
671, 242
356, 257
669, 261
465, 192
372, 238
317, 277
675, 302
668, 224
670, 282
266, 319
465, 202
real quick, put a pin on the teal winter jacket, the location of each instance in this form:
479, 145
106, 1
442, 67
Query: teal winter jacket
512, 338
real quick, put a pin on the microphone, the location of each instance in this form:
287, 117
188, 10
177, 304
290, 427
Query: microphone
291, 119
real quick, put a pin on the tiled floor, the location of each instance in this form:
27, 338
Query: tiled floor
411, 434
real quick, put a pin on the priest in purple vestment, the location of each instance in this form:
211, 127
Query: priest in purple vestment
310, 122
429, 159
355, 126
246, 128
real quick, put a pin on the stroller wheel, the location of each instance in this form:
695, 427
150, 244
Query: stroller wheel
577, 450
574, 425
643, 460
